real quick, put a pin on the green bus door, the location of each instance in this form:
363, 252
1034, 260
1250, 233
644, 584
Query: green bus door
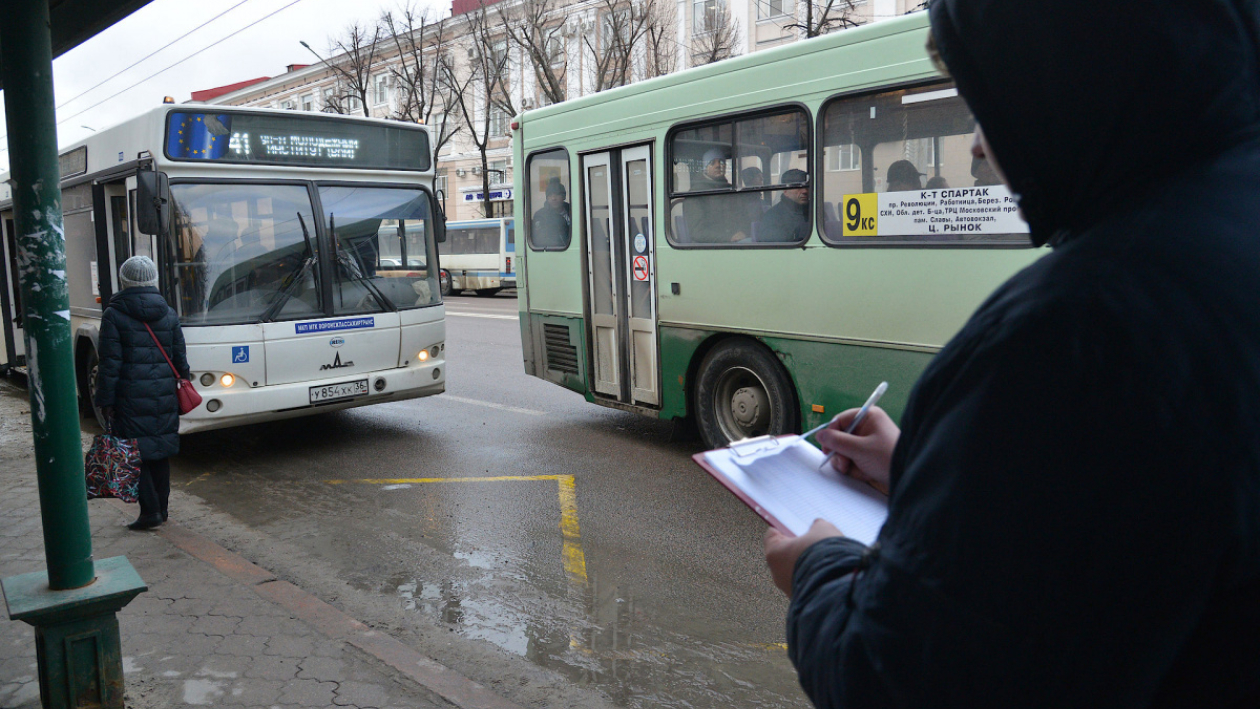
621, 275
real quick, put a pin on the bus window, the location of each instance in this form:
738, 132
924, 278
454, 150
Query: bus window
551, 227
742, 181
238, 246
359, 216
471, 240
898, 170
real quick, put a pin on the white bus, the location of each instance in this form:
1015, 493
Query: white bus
479, 255
276, 235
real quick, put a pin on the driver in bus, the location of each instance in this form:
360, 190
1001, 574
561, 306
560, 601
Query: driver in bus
552, 223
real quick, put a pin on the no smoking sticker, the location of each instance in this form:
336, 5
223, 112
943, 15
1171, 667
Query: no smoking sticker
640, 268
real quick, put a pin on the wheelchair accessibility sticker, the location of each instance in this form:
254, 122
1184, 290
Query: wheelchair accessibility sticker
240, 354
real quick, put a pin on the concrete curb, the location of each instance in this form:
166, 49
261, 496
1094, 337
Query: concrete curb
428, 673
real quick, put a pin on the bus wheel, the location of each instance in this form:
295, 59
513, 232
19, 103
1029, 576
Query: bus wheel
90, 372
446, 282
487, 292
743, 392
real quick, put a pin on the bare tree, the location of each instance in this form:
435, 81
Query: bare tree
719, 39
622, 26
483, 94
537, 28
823, 16
423, 95
353, 55
660, 43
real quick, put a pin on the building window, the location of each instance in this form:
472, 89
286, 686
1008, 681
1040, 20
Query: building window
329, 102
498, 122
773, 8
704, 16
499, 171
843, 157
308, 102
287, 105
380, 89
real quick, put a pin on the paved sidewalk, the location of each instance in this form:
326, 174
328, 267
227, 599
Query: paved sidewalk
213, 629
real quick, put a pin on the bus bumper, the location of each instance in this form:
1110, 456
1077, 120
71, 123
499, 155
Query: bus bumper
243, 404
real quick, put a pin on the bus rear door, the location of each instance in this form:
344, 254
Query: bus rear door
621, 268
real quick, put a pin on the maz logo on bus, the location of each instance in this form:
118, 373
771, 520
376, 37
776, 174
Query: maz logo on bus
337, 364
337, 341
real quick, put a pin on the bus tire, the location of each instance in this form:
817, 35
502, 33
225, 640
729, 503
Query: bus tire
743, 391
90, 368
445, 277
487, 292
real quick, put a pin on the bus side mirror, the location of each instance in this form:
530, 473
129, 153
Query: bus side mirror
153, 202
439, 222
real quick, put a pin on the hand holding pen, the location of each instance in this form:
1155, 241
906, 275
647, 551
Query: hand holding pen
866, 457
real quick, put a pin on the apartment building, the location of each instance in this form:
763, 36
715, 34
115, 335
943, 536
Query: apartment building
575, 35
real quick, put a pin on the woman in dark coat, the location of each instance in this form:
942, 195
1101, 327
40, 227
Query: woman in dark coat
135, 386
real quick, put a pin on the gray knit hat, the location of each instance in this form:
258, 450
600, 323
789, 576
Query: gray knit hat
138, 271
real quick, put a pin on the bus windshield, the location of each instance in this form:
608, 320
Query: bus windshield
381, 238
251, 253
239, 247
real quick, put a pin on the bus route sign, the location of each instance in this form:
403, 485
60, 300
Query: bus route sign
970, 210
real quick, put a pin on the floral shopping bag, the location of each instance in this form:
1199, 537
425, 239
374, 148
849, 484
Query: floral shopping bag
112, 465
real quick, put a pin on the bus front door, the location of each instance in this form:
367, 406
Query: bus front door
621, 271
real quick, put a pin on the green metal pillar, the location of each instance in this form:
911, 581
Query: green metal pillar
73, 605
26, 51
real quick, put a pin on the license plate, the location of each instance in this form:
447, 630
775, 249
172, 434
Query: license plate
333, 392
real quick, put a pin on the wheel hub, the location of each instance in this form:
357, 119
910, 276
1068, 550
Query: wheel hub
750, 407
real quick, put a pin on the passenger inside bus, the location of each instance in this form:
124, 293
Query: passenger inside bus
715, 219
789, 219
903, 176
553, 221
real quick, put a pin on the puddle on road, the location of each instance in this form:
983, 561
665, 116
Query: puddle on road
606, 640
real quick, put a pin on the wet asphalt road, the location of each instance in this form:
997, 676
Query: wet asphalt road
601, 551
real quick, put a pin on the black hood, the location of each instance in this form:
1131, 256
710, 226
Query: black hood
143, 303
1089, 103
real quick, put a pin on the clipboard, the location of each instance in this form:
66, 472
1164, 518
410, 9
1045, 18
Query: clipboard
778, 478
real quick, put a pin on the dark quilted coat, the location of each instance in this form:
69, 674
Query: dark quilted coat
1075, 511
134, 377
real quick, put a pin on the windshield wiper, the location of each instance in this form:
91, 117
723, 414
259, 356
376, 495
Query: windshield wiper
296, 277
352, 269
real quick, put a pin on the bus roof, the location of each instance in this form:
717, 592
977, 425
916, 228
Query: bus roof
144, 136
713, 86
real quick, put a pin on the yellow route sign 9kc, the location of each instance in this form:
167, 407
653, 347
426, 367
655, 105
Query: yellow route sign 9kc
861, 214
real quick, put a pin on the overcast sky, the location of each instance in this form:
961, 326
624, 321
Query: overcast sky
265, 45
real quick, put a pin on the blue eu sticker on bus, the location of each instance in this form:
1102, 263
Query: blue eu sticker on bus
240, 354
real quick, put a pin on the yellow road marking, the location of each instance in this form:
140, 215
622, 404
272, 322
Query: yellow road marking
574, 559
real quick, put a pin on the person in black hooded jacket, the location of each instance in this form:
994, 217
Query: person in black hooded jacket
135, 386
1074, 511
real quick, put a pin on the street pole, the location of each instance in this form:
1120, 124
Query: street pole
41, 257
73, 604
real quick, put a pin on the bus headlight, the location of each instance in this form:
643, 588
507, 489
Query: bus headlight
207, 379
423, 356
227, 380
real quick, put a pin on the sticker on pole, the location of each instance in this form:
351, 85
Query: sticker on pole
640, 268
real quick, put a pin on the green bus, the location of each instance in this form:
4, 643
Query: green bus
755, 244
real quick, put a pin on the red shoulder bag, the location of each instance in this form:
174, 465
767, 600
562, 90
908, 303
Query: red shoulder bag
189, 399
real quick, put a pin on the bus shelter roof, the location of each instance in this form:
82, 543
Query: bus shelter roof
76, 21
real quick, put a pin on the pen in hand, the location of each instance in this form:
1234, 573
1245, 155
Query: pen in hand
857, 420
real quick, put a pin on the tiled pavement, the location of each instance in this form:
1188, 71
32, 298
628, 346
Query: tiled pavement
212, 630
